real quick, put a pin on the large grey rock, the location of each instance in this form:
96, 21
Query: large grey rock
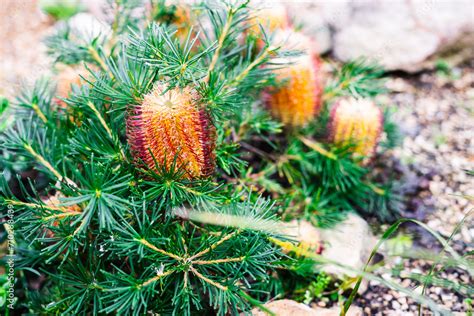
86, 26
349, 243
406, 35
336, 311
400, 34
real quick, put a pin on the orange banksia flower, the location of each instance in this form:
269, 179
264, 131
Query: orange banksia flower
358, 122
270, 18
175, 12
298, 100
183, 19
170, 125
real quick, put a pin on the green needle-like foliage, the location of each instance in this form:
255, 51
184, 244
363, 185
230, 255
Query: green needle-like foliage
108, 239
115, 236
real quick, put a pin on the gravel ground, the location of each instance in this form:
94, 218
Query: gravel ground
436, 113
22, 53
379, 300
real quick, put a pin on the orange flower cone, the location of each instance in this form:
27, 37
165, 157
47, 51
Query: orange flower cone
169, 125
183, 19
299, 99
270, 18
356, 122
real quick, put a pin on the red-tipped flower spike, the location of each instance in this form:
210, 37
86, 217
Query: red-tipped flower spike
358, 122
169, 125
298, 101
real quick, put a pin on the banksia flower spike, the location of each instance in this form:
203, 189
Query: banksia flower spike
356, 122
177, 13
270, 18
169, 125
298, 101
183, 20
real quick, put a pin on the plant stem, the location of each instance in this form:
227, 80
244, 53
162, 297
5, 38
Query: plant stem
48, 166
186, 278
96, 56
34, 205
61, 215
199, 275
220, 44
101, 119
219, 260
376, 189
227, 237
106, 127
38, 111
252, 65
156, 278
147, 244
257, 303
203, 229
317, 147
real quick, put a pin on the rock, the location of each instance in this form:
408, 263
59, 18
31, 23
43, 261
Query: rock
336, 311
97, 8
286, 308
349, 243
333, 244
407, 35
402, 35
305, 233
291, 308
318, 29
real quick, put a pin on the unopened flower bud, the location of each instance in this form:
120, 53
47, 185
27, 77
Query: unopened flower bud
169, 125
357, 122
270, 18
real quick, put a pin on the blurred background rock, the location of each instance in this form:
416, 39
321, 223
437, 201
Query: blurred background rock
407, 35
